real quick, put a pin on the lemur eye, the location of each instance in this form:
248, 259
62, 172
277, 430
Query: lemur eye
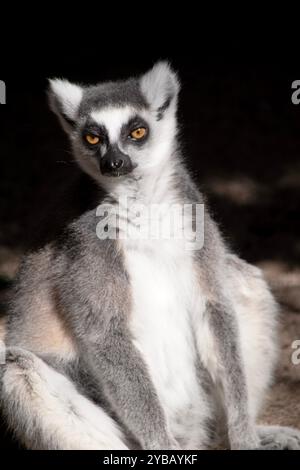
138, 133
92, 139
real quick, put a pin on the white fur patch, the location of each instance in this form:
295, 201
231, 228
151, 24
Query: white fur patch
113, 118
159, 84
163, 288
68, 94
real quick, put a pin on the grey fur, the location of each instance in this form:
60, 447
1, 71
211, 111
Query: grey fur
72, 304
240, 428
113, 94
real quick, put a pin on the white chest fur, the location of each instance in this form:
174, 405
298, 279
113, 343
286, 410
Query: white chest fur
164, 294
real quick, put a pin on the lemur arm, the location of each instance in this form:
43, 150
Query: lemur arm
127, 384
223, 324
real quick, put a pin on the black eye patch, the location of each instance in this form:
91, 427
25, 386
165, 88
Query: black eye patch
95, 130
134, 123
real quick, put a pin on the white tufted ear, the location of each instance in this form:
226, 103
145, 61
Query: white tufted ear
160, 86
64, 99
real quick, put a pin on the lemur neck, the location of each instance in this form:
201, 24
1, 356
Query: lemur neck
158, 185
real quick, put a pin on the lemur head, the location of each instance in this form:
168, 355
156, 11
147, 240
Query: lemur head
120, 128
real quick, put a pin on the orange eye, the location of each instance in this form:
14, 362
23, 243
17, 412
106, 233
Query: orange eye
138, 133
92, 139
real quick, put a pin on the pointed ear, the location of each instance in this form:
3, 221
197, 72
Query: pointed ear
160, 86
64, 100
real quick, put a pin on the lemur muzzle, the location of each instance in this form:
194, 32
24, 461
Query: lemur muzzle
115, 163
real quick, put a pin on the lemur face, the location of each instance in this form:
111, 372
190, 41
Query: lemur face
120, 128
116, 137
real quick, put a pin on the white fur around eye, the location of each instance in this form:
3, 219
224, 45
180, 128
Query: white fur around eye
113, 119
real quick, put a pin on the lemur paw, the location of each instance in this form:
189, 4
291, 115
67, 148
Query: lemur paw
174, 445
17, 365
20, 357
20, 364
169, 443
278, 438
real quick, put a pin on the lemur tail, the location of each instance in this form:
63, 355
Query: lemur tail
46, 411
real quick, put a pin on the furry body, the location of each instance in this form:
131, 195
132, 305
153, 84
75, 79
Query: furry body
132, 343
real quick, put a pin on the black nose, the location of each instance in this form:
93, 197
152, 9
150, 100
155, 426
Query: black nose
117, 164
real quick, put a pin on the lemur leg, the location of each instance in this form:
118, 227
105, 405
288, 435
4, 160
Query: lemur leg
242, 325
46, 411
257, 315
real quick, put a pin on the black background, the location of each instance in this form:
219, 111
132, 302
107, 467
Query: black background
239, 129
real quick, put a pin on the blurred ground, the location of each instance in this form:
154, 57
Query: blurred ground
241, 135
283, 404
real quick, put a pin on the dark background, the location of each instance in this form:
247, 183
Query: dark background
240, 135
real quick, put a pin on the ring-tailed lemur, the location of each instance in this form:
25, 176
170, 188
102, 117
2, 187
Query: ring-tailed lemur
137, 343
